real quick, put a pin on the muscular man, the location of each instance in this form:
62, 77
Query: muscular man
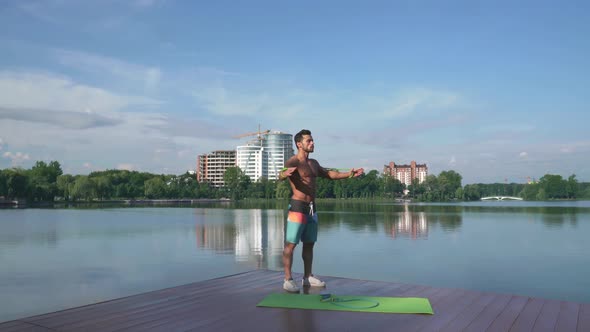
302, 222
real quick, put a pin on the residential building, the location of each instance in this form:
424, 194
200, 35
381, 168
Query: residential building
252, 160
211, 167
279, 148
266, 156
406, 173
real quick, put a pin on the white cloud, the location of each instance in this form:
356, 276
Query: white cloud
223, 101
523, 154
148, 77
417, 100
43, 91
39, 10
16, 158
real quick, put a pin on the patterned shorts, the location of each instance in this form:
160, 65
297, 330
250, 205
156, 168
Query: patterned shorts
302, 223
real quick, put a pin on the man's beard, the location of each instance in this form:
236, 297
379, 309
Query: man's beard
308, 150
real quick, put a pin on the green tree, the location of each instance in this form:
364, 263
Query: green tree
572, 187
83, 188
530, 191
104, 188
325, 188
16, 184
448, 183
541, 195
554, 186
3, 185
393, 187
42, 181
459, 193
155, 188
283, 189
416, 189
236, 182
472, 192
64, 186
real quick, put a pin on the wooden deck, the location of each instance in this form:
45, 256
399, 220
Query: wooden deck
229, 304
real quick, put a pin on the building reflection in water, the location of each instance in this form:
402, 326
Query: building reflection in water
251, 235
408, 224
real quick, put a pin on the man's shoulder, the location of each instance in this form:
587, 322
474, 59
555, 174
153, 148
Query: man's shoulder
293, 161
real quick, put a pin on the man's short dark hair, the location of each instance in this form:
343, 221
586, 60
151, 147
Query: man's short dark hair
299, 136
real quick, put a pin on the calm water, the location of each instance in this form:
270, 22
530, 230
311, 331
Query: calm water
52, 259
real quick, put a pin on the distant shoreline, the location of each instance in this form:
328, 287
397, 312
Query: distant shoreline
24, 203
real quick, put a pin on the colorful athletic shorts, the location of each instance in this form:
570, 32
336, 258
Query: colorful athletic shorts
302, 222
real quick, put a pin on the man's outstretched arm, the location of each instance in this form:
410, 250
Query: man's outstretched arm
337, 175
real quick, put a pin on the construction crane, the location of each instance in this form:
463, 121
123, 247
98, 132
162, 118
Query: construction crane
258, 135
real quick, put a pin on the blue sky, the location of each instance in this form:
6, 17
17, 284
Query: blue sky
495, 90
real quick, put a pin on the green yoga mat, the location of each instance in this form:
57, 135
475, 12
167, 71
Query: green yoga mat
398, 305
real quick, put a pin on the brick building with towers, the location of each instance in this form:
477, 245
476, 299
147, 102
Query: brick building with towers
406, 173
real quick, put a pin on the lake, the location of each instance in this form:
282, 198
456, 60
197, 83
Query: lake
52, 259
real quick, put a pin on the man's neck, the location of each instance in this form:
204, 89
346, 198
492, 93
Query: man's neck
302, 155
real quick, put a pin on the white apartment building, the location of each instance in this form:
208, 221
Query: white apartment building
252, 159
264, 158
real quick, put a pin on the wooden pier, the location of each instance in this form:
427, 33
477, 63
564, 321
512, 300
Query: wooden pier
229, 304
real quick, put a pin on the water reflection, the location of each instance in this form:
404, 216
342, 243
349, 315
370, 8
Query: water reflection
253, 235
407, 224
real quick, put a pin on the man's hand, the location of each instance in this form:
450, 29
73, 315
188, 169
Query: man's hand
356, 172
287, 172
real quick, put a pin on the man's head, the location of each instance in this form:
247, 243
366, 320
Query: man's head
304, 141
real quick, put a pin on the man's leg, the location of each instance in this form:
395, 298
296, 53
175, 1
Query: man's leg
307, 255
288, 259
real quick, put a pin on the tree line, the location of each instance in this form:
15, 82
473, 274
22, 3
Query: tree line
45, 182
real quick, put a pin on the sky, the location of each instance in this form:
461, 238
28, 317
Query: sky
498, 91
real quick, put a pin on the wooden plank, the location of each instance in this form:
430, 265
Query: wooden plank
547, 319
210, 313
505, 320
441, 303
444, 316
69, 316
465, 318
584, 318
526, 320
568, 317
229, 304
187, 317
485, 319
171, 307
247, 296
18, 326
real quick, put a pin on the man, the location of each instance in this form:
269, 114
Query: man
302, 222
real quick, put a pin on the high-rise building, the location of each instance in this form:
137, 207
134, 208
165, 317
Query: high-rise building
211, 167
266, 156
251, 159
279, 148
406, 173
